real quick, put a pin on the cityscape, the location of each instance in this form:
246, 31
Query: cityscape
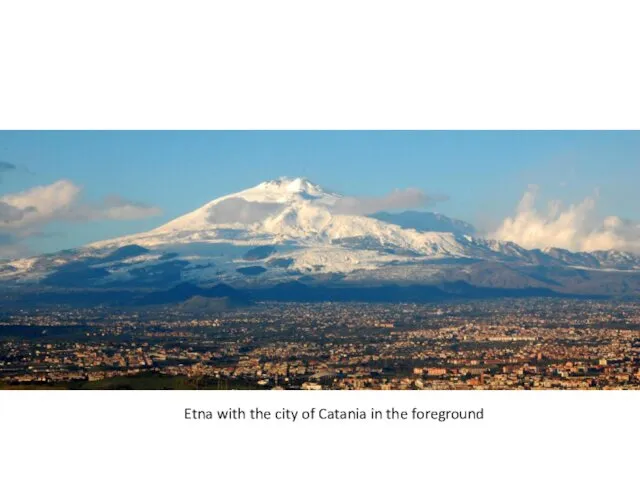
518, 344
320, 260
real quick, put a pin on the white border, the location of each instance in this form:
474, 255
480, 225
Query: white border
334, 64
107, 435
153, 64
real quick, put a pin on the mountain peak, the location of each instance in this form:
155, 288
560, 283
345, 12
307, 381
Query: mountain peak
290, 228
292, 185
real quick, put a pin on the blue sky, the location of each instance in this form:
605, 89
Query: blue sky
483, 173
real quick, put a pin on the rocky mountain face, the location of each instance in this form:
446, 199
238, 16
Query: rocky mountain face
291, 234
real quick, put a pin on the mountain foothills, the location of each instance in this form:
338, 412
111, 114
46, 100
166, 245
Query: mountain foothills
290, 239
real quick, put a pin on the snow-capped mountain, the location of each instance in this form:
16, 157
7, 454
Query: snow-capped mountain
288, 211
292, 229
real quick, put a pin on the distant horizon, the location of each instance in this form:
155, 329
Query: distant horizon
61, 190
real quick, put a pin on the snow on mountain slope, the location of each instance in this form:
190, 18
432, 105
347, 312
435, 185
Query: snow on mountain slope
254, 205
287, 211
281, 230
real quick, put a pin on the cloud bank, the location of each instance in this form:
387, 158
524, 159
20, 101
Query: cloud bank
239, 210
575, 227
396, 200
25, 214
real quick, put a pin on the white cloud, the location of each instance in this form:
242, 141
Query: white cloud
115, 207
396, 200
24, 214
576, 227
42, 204
239, 210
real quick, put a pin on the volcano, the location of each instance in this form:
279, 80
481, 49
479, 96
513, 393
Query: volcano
292, 231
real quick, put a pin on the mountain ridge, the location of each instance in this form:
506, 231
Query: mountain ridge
291, 229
